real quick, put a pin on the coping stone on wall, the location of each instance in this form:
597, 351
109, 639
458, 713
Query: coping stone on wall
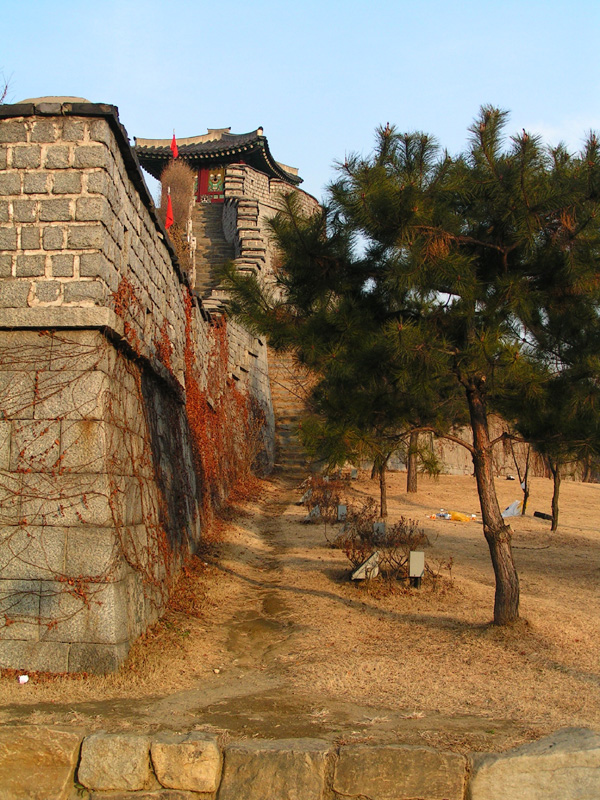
286, 769
37, 763
562, 766
395, 772
192, 762
112, 761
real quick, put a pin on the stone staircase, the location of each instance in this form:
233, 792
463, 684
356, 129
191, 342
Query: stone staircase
212, 249
288, 389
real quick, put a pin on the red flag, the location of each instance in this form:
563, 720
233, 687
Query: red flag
169, 217
174, 149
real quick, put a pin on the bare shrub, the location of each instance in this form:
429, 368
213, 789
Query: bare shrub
178, 177
359, 540
439, 571
355, 538
325, 493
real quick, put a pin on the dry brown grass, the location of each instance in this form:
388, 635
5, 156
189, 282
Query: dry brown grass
359, 663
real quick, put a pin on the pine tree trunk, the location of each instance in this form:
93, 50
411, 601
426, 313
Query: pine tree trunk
498, 535
412, 464
556, 477
526, 482
382, 491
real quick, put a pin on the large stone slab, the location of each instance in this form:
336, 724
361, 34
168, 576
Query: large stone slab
287, 769
563, 766
156, 794
37, 763
190, 762
394, 772
115, 761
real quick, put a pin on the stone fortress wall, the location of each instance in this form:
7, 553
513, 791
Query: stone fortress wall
109, 365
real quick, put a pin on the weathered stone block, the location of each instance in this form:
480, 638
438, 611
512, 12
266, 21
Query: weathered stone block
35, 443
66, 500
29, 266
8, 238
92, 209
100, 131
6, 260
43, 131
10, 183
97, 182
95, 265
35, 183
66, 183
54, 238
3, 210
11, 131
73, 130
97, 659
20, 609
71, 395
16, 389
37, 762
90, 611
24, 210
55, 210
28, 157
3, 157
94, 551
190, 762
293, 769
114, 761
63, 264
84, 237
90, 155
155, 794
47, 291
85, 445
33, 656
85, 292
14, 294
57, 157
21, 350
562, 766
31, 552
82, 350
30, 238
5, 434
394, 772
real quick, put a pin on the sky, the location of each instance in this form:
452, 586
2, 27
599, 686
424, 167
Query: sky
318, 75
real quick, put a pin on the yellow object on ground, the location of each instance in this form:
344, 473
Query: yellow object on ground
458, 516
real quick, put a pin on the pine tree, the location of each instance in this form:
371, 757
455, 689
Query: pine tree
461, 272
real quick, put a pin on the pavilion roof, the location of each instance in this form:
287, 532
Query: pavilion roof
218, 146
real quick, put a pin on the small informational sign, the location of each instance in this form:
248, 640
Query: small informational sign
368, 569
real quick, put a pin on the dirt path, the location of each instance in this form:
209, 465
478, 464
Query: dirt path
286, 646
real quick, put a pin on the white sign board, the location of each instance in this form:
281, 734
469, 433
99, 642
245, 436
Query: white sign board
416, 564
368, 569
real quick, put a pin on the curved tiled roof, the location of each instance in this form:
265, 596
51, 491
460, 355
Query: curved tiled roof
218, 145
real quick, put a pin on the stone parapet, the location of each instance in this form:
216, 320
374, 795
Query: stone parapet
49, 764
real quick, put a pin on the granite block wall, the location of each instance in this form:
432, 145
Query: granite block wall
102, 344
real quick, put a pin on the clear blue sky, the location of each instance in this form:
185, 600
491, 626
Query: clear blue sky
318, 75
